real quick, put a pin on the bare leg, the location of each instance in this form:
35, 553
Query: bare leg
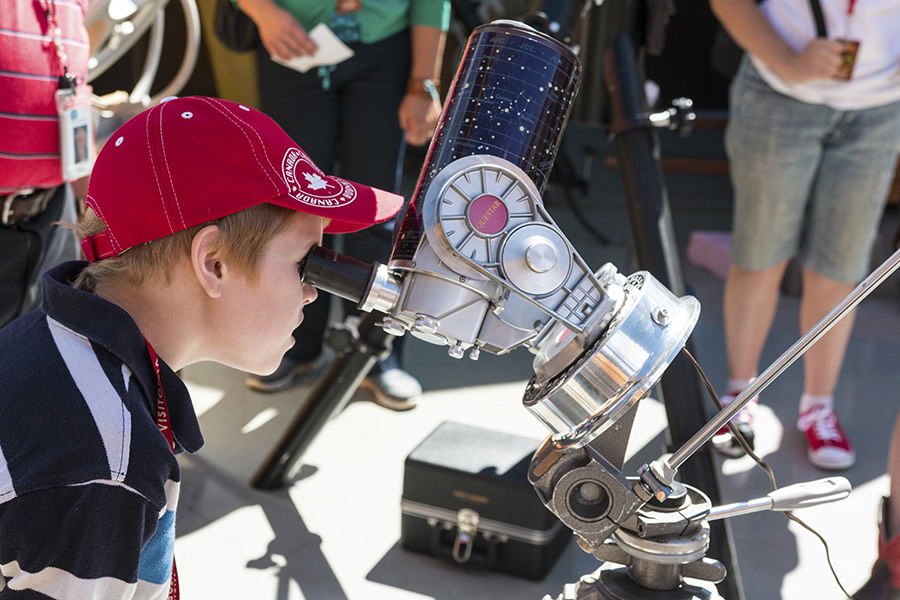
823, 360
750, 301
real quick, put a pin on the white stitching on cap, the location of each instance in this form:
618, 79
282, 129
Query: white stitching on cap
234, 120
119, 141
92, 202
153, 165
259, 137
169, 169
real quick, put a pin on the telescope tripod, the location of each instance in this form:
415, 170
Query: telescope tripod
654, 566
662, 548
654, 525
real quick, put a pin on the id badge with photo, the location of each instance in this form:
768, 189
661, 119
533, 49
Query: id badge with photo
76, 131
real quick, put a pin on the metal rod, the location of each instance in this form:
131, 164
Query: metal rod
191, 52
141, 92
739, 508
787, 359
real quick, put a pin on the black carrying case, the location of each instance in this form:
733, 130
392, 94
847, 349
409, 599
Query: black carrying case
466, 498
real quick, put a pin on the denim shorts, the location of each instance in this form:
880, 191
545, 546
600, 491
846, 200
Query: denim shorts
809, 181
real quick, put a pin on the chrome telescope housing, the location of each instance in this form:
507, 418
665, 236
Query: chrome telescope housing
479, 264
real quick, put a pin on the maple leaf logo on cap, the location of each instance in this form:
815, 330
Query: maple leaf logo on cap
307, 184
316, 181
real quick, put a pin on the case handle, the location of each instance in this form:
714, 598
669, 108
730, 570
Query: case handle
467, 523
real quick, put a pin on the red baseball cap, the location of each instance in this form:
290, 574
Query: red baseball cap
191, 160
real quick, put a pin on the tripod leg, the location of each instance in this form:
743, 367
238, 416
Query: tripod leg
330, 395
654, 241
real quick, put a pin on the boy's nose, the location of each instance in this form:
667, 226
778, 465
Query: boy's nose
310, 293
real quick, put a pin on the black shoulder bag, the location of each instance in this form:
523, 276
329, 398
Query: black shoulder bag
234, 28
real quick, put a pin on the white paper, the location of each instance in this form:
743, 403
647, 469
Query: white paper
331, 51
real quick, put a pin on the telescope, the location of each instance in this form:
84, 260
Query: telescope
479, 265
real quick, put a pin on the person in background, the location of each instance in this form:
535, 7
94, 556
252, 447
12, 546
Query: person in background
812, 157
354, 117
884, 584
44, 51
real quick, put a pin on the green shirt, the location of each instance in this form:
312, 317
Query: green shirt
378, 19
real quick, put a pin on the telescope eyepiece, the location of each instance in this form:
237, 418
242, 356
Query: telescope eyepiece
336, 273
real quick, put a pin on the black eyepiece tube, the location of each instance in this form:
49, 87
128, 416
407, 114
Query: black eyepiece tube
336, 273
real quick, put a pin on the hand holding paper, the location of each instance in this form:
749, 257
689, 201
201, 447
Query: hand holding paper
331, 51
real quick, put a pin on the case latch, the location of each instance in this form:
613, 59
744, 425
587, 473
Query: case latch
467, 524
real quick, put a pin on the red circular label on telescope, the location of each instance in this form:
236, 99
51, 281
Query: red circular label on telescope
488, 215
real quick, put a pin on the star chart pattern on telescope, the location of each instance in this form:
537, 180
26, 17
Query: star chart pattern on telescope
510, 99
514, 101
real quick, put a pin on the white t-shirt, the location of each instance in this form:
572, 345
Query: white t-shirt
876, 74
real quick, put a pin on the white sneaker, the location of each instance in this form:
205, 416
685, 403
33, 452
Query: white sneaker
394, 389
725, 443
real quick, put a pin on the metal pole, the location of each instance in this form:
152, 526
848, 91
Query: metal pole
787, 358
656, 250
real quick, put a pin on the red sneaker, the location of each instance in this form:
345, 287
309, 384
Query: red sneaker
723, 442
829, 447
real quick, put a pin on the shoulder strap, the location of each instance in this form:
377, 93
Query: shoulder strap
821, 29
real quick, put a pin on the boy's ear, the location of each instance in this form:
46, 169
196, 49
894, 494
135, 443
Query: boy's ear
205, 260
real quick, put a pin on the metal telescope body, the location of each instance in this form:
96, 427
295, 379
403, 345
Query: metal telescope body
478, 264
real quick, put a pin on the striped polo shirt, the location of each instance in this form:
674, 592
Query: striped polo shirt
29, 73
88, 485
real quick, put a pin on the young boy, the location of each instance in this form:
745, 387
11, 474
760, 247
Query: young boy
200, 211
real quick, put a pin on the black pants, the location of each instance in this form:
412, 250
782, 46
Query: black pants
30, 248
352, 130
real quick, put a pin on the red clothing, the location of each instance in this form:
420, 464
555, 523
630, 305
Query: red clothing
29, 70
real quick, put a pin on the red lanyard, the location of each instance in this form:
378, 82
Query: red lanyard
162, 407
851, 6
165, 428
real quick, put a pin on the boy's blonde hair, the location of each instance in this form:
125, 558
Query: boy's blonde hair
243, 235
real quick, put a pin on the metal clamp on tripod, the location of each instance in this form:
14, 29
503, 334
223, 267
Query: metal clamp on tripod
663, 545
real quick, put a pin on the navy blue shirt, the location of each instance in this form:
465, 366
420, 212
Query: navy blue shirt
88, 485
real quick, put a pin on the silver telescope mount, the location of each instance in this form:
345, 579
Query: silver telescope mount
480, 265
601, 341
662, 547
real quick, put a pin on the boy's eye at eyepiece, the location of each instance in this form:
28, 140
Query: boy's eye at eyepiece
301, 266
336, 273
